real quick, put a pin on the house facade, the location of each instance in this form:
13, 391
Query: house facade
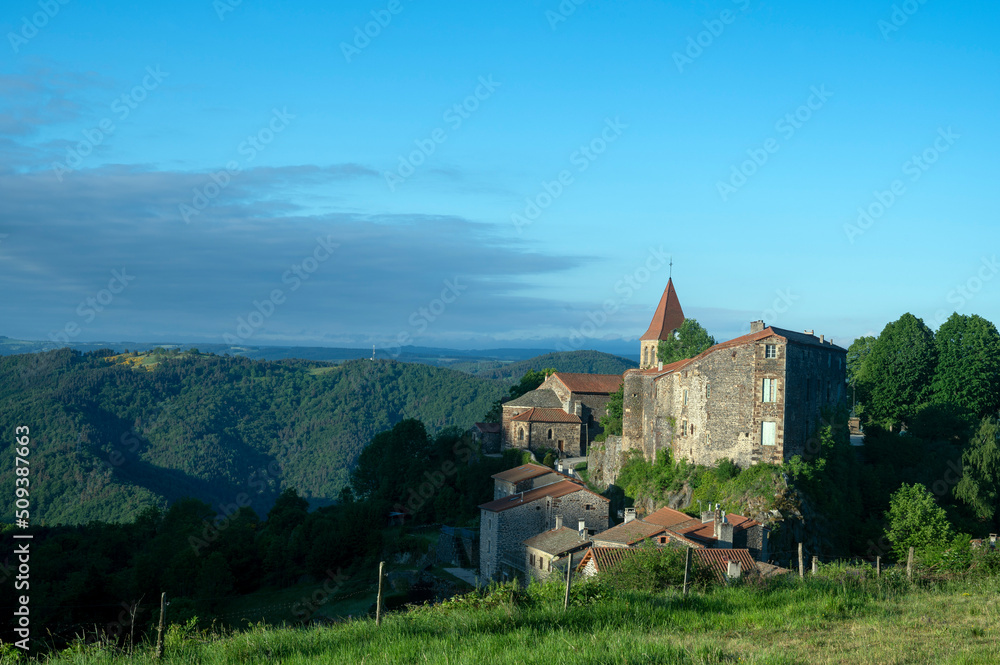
756, 398
540, 496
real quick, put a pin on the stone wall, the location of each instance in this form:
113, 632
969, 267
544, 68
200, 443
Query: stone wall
604, 462
502, 534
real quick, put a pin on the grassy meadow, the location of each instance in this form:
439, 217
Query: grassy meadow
830, 619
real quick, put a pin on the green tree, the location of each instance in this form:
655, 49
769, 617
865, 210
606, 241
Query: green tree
968, 364
530, 381
915, 520
979, 487
688, 341
611, 421
896, 376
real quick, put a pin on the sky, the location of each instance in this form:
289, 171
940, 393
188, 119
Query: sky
493, 174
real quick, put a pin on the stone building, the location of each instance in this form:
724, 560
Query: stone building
551, 551
539, 496
562, 414
756, 398
487, 437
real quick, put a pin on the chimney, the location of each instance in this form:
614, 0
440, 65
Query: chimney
659, 366
582, 528
808, 332
558, 522
821, 338
757, 326
733, 570
629, 515
723, 532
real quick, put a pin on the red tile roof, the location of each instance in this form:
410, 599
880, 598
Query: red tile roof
666, 517
535, 415
601, 384
523, 472
606, 557
555, 490
781, 333
718, 561
628, 533
668, 316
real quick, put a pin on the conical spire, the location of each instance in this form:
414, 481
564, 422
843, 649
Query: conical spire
668, 317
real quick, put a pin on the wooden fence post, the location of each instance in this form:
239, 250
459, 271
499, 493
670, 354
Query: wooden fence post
569, 580
909, 564
815, 564
878, 566
159, 631
802, 569
687, 572
378, 602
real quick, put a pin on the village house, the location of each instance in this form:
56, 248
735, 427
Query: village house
528, 500
715, 529
554, 550
487, 437
563, 414
726, 564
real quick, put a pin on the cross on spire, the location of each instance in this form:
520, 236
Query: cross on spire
671, 275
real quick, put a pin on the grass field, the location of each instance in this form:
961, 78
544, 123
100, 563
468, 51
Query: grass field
818, 621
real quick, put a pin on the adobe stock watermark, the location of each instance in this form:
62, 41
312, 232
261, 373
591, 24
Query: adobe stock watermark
562, 12
30, 25
122, 107
306, 606
363, 35
249, 148
454, 115
901, 13
422, 317
581, 159
782, 303
786, 126
91, 306
914, 167
223, 7
966, 291
293, 277
625, 287
696, 44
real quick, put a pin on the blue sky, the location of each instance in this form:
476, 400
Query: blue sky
492, 174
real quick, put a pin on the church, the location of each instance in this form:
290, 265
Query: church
756, 398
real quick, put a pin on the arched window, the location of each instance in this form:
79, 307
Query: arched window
550, 435
520, 434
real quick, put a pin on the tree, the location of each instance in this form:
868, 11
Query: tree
611, 421
530, 381
915, 520
968, 364
896, 376
980, 483
857, 357
687, 341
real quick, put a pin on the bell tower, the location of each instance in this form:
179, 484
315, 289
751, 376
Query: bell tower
668, 317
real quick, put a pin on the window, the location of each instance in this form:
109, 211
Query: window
767, 430
488, 543
541, 562
708, 390
520, 434
684, 428
770, 351
829, 360
685, 397
589, 506
663, 540
769, 390
550, 434
531, 558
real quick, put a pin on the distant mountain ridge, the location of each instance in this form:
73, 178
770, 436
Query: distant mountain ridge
112, 434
